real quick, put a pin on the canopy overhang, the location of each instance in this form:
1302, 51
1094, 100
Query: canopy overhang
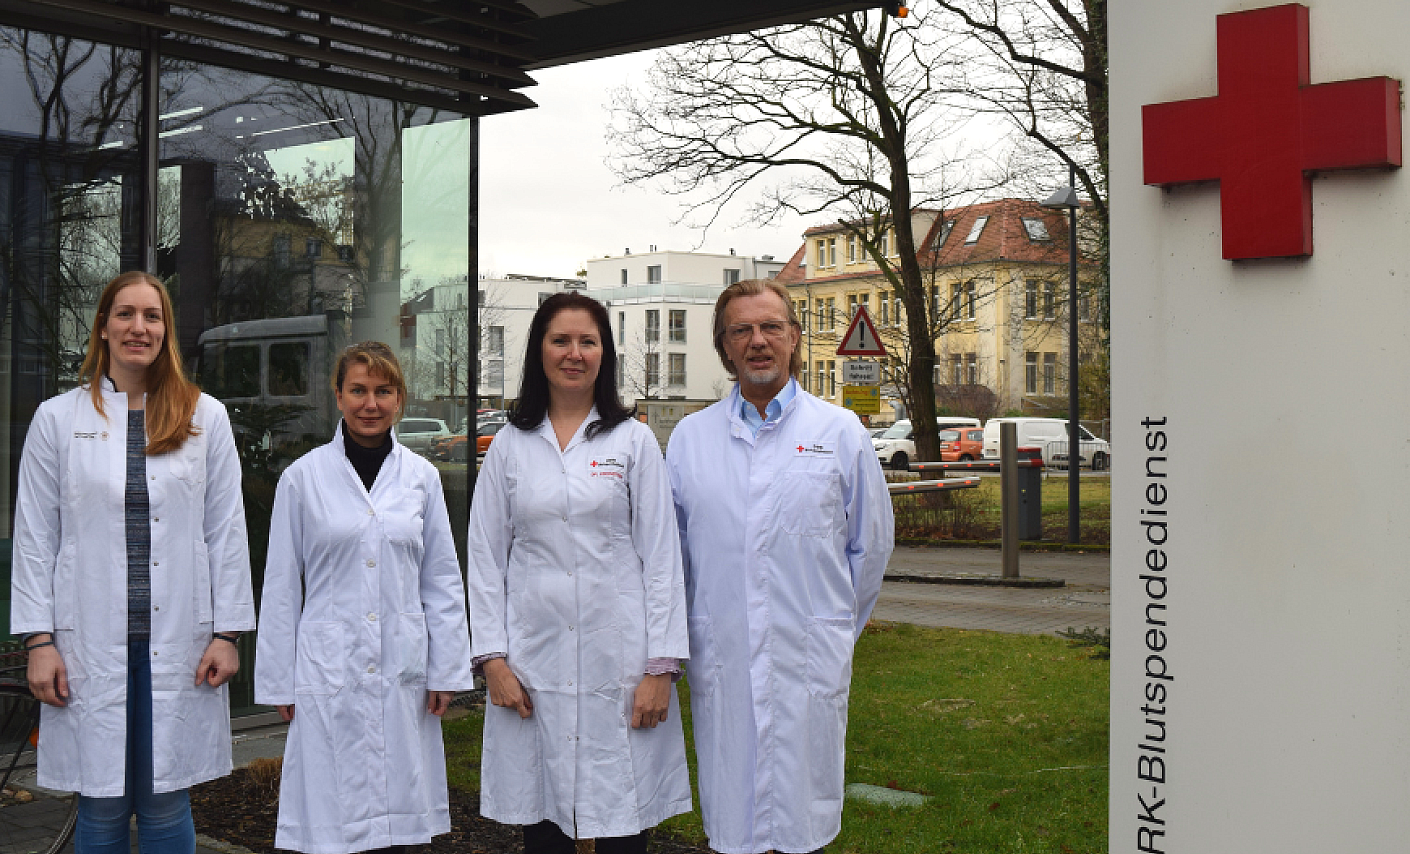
467, 56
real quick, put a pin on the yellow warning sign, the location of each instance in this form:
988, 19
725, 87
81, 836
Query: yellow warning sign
862, 399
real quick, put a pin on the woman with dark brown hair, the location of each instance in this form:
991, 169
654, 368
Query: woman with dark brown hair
131, 579
577, 601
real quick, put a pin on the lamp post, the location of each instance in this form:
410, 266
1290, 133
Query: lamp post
1066, 198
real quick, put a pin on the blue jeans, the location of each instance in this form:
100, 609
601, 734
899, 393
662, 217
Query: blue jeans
164, 823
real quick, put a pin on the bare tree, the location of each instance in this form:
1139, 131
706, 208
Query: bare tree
843, 115
641, 366
1041, 66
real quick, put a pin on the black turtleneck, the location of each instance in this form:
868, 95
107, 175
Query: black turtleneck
366, 461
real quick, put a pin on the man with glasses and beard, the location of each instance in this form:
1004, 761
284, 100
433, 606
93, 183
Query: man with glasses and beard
786, 528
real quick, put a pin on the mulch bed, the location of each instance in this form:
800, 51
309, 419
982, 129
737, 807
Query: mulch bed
241, 810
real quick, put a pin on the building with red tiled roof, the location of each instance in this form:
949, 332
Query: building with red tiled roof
996, 281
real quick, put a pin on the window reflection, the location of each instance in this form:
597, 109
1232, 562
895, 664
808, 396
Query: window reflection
291, 221
68, 190
230, 371
288, 369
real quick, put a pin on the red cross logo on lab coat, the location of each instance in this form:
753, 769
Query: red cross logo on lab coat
1267, 130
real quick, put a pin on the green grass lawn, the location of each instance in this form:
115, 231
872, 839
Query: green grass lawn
1007, 734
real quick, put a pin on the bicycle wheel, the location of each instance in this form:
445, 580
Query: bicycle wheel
33, 820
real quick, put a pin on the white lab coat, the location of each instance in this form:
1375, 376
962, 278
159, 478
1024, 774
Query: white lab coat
70, 578
363, 612
575, 573
786, 537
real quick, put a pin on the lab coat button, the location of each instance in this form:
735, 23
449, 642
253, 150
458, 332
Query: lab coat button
372, 618
570, 628
371, 668
371, 512
372, 563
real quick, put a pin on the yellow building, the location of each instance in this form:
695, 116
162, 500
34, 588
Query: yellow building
996, 282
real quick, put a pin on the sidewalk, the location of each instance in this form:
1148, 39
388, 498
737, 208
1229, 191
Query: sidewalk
1084, 601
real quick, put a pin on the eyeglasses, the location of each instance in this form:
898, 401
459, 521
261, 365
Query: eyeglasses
739, 333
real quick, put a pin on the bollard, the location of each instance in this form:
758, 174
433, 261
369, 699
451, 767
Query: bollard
1008, 501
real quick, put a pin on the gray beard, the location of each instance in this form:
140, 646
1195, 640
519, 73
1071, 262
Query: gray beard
765, 377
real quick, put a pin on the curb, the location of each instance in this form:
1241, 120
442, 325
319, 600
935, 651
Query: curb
1027, 546
978, 580
220, 845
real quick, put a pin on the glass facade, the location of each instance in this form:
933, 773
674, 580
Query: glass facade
291, 220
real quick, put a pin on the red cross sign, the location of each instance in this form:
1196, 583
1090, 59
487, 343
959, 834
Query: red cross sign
1267, 130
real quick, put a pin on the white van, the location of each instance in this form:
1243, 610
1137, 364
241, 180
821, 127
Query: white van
897, 448
1041, 432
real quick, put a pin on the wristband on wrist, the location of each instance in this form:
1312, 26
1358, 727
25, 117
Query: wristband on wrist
38, 645
228, 637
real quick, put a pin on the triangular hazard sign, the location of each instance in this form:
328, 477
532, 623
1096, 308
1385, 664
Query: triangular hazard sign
861, 339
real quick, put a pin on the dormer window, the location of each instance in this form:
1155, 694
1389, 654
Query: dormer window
944, 234
1037, 230
976, 230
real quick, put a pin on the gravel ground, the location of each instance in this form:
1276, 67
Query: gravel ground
241, 809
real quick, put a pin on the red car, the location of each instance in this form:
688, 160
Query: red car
961, 445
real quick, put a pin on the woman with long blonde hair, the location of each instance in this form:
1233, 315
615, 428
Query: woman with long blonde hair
131, 579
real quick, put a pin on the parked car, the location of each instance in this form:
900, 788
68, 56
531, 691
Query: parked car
484, 434
1041, 432
418, 433
453, 448
897, 448
961, 445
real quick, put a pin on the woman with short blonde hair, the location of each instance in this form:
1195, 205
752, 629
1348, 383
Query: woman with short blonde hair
363, 639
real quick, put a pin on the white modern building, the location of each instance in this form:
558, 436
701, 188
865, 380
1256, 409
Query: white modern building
435, 339
507, 306
661, 306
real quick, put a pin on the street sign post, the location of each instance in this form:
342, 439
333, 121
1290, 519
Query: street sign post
862, 399
860, 372
861, 338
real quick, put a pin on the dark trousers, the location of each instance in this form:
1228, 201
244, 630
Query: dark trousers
546, 838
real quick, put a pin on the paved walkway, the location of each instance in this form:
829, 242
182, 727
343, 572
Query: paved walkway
1084, 601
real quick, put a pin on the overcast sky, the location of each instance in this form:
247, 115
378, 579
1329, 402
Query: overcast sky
548, 202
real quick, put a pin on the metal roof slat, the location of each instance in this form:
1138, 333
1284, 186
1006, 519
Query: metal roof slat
372, 41
450, 14
217, 32
445, 34
336, 80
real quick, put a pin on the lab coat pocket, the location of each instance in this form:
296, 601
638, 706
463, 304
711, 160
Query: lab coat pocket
188, 463
829, 656
403, 518
411, 649
320, 658
809, 503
